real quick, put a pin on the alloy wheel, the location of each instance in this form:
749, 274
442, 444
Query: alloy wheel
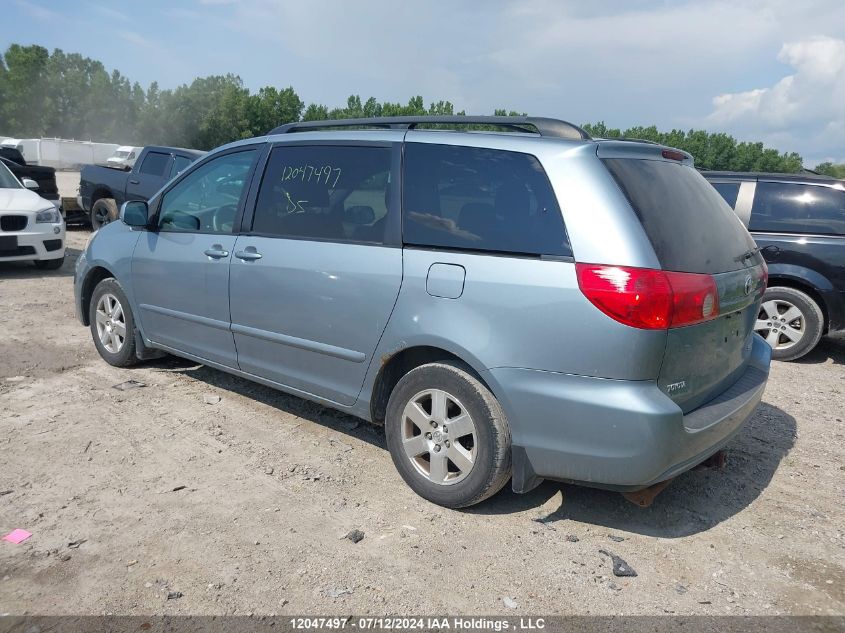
781, 323
438, 436
111, 323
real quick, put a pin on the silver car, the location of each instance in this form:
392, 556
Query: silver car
516, 302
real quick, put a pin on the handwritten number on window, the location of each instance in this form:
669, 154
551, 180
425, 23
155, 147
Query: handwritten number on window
324, 174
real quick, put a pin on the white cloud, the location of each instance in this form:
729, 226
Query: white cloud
803, 108
810, 92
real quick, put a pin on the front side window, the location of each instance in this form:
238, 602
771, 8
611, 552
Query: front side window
471, 198
155, 164
781, 207
207, 199
325, 192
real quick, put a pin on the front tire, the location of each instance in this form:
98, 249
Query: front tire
50, 264
103, 211
791, 322
447, 435
112, 324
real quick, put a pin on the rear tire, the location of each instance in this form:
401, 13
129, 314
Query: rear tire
790, 321
447, 435
103, 211
50, 264
112, 324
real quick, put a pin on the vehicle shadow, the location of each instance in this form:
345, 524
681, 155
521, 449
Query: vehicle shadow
694, 502
330, 418
829, 348
28, 270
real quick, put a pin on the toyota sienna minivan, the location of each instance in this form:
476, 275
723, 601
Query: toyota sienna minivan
515, 302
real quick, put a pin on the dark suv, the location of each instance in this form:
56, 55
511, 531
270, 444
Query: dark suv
798, 221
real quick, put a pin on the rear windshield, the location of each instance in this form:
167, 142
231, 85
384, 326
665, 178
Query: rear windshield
691, 227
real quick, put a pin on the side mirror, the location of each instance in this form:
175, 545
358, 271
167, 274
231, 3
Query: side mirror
135, 213
29, 183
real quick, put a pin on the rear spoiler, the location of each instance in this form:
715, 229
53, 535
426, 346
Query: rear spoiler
634, 148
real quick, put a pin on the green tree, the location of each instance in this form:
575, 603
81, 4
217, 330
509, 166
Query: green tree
25, 91
831, 169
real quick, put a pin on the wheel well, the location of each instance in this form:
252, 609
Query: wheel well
396, 366
806, 289
95, 276
100, 193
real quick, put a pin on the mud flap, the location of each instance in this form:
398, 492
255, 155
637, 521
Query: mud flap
142, 352
523, 477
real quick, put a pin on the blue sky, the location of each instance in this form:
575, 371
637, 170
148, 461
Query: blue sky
761, 70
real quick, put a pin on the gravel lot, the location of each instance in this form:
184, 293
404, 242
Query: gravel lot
233, 498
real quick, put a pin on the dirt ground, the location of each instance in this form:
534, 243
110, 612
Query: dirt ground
241, 506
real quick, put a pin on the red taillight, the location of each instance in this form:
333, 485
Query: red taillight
695, 298
649, 299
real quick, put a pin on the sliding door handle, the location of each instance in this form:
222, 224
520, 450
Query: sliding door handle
216, 252
249, 254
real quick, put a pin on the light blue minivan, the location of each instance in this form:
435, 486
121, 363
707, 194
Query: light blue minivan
510, 298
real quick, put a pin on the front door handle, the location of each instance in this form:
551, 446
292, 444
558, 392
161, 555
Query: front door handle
249, 254
134, 182
216, 252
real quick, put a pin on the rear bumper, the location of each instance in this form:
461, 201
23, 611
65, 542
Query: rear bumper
622, 435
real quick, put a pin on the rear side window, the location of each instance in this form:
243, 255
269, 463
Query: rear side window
155, 164
690, 226
325, 192
781, 207
480, 199
728, 190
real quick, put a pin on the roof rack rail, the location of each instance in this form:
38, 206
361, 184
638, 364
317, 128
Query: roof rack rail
542, 126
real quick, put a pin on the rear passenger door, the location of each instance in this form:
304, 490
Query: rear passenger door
318, 266
150, 176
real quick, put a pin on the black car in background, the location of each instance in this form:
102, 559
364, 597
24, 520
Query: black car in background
798, 221
44, 176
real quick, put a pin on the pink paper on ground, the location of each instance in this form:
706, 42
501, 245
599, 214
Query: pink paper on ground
17, 536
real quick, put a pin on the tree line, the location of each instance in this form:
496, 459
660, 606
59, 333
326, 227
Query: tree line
70, 96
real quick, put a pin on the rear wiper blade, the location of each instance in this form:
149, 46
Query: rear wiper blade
747, 254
